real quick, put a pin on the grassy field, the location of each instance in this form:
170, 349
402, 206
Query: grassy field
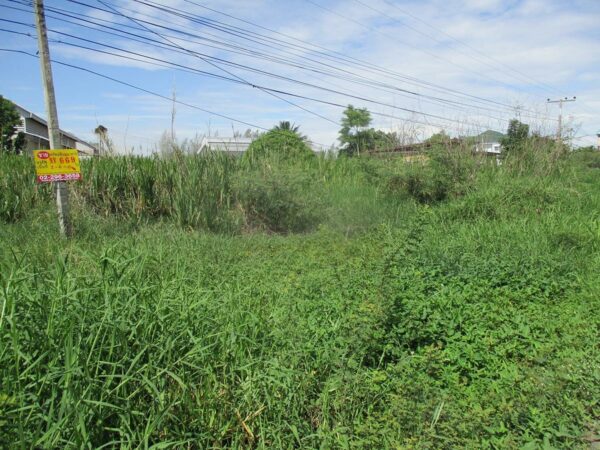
206, 302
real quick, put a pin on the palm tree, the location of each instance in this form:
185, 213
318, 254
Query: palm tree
286, 125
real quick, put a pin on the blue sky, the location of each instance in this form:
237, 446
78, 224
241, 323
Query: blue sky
515, 53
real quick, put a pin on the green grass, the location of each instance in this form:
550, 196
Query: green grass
311, 304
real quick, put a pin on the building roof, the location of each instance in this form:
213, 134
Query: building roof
225, 144
30, 115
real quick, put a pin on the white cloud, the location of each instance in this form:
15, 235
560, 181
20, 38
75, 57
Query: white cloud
527, 50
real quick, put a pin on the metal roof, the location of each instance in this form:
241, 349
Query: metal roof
225, 144
30, 115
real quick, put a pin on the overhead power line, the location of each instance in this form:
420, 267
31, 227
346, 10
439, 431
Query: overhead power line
359, 80
150, 92
147, 91
520, 75
271, 91
395, 39
365, 64
330, 54
223, 28
258, 86
451, 103
532, 80
207, 60
170, 99
447, 102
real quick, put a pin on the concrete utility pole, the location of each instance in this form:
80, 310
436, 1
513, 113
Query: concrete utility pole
560, 104
60, 187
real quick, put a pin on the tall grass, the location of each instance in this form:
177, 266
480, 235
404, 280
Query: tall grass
402, 321
18, 190
212, 192
193, 191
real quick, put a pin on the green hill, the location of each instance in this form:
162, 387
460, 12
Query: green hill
489, 136
486, 136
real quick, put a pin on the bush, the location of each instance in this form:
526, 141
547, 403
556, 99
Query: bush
278, 145
278, 203
426, 184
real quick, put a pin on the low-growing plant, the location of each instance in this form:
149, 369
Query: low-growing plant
278, 202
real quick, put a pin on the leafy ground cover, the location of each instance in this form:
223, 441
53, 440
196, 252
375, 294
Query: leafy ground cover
378, 316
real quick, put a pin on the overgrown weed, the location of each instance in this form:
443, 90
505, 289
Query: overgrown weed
352, 316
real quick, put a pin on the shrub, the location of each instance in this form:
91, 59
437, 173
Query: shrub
279, 145
279, 203
427, 184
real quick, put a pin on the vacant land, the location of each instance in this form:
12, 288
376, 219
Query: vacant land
206, 302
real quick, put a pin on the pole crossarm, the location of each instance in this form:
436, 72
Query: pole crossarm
560, 105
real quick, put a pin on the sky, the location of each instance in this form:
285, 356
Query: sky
419, 66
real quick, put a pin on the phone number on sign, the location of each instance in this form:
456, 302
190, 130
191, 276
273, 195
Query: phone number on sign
59, 177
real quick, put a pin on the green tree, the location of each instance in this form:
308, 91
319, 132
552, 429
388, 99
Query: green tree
280, 145
441, 138
516, 136
10, 140
285, 125
354, 135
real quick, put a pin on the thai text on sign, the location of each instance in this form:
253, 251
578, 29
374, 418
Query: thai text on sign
56, 165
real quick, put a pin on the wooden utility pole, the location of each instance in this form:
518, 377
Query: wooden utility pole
60, 187
560, 104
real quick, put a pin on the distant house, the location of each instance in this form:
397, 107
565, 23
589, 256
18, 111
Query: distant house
235, 146
489, 144
36, 135
489, 148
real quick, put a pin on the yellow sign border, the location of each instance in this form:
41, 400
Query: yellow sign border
57, 165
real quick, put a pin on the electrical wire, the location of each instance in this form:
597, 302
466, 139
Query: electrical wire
147, 91
415, 47
254, 85
366, 64
207, 60
244, 34
246, 52
266, 73
521, 75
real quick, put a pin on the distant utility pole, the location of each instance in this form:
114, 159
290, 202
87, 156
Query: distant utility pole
560, 105
60, 187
